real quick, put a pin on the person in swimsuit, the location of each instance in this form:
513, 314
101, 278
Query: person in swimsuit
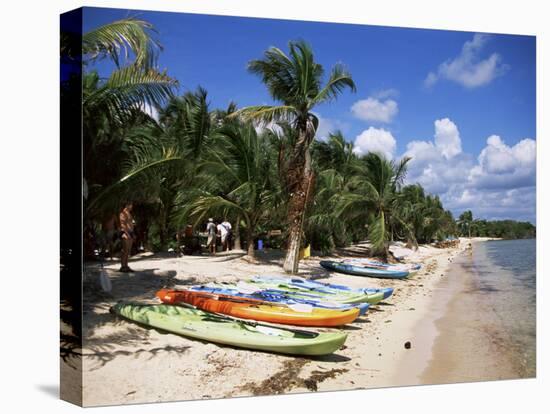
127, 235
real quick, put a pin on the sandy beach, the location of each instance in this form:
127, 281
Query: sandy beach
126, 363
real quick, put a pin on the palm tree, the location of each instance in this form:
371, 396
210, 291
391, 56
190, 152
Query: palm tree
335, 154
334, 164
237, 178
465, 221
295, 80
373, 196
115, 105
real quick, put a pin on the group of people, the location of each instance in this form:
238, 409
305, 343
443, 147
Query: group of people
122, 226
223, 230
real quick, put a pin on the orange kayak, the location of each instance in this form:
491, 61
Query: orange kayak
260, 310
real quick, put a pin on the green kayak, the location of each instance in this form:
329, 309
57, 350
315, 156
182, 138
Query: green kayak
210, 327
342, 296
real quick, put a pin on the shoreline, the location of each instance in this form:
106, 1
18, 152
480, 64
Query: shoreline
462, 341
121, 358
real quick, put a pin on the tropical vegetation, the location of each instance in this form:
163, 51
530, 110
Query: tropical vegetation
504, 229
179, 161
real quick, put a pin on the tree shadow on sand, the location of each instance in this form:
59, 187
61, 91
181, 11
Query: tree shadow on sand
101, 348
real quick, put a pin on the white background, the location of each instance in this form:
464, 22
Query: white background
29, 163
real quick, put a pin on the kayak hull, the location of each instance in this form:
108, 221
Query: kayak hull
259, 310
408, 267
374, 295
280, 296
363, 271
205, 326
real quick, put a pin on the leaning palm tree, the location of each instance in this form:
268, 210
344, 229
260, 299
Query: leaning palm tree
373, 196
295, 80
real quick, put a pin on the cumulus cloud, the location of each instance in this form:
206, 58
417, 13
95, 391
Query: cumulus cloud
499, 204
499, 183
373, 109
375, 140
468, 69
447, 138
503, 166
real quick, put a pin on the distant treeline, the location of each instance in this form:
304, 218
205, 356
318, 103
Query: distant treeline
505, 229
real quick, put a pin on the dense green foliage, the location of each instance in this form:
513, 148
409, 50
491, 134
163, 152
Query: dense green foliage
505, 229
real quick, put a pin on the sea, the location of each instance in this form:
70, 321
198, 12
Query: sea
504, 272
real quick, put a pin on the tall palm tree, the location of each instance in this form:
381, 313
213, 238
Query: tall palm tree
373, 196
295, 81
237, 178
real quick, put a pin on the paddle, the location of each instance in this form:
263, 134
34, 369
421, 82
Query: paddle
298, 307
104, 279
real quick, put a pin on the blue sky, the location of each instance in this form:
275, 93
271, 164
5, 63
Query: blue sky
461, 104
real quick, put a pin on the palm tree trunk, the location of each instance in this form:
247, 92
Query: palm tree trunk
237, 234
250, 243
300, 178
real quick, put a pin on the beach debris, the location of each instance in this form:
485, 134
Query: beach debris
408, 345
447, 243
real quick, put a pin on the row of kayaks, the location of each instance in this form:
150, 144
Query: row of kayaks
370, 268
268, 313
240, 314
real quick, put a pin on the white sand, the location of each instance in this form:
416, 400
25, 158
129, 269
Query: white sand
125, 363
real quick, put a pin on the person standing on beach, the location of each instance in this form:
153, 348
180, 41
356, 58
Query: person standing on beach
211, 230
127, 235
223, 232
226, 242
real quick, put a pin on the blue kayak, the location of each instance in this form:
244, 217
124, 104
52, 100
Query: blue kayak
363, 271
410, 267
279, 296
323, 287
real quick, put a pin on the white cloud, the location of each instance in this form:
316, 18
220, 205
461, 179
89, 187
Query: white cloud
503, 166
447, 138
373, 109
375, 140
498, 184
467, 68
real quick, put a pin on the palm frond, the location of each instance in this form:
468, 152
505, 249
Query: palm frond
378, 234
339, 80
264, 115
127, 186
124, 38
130, 89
